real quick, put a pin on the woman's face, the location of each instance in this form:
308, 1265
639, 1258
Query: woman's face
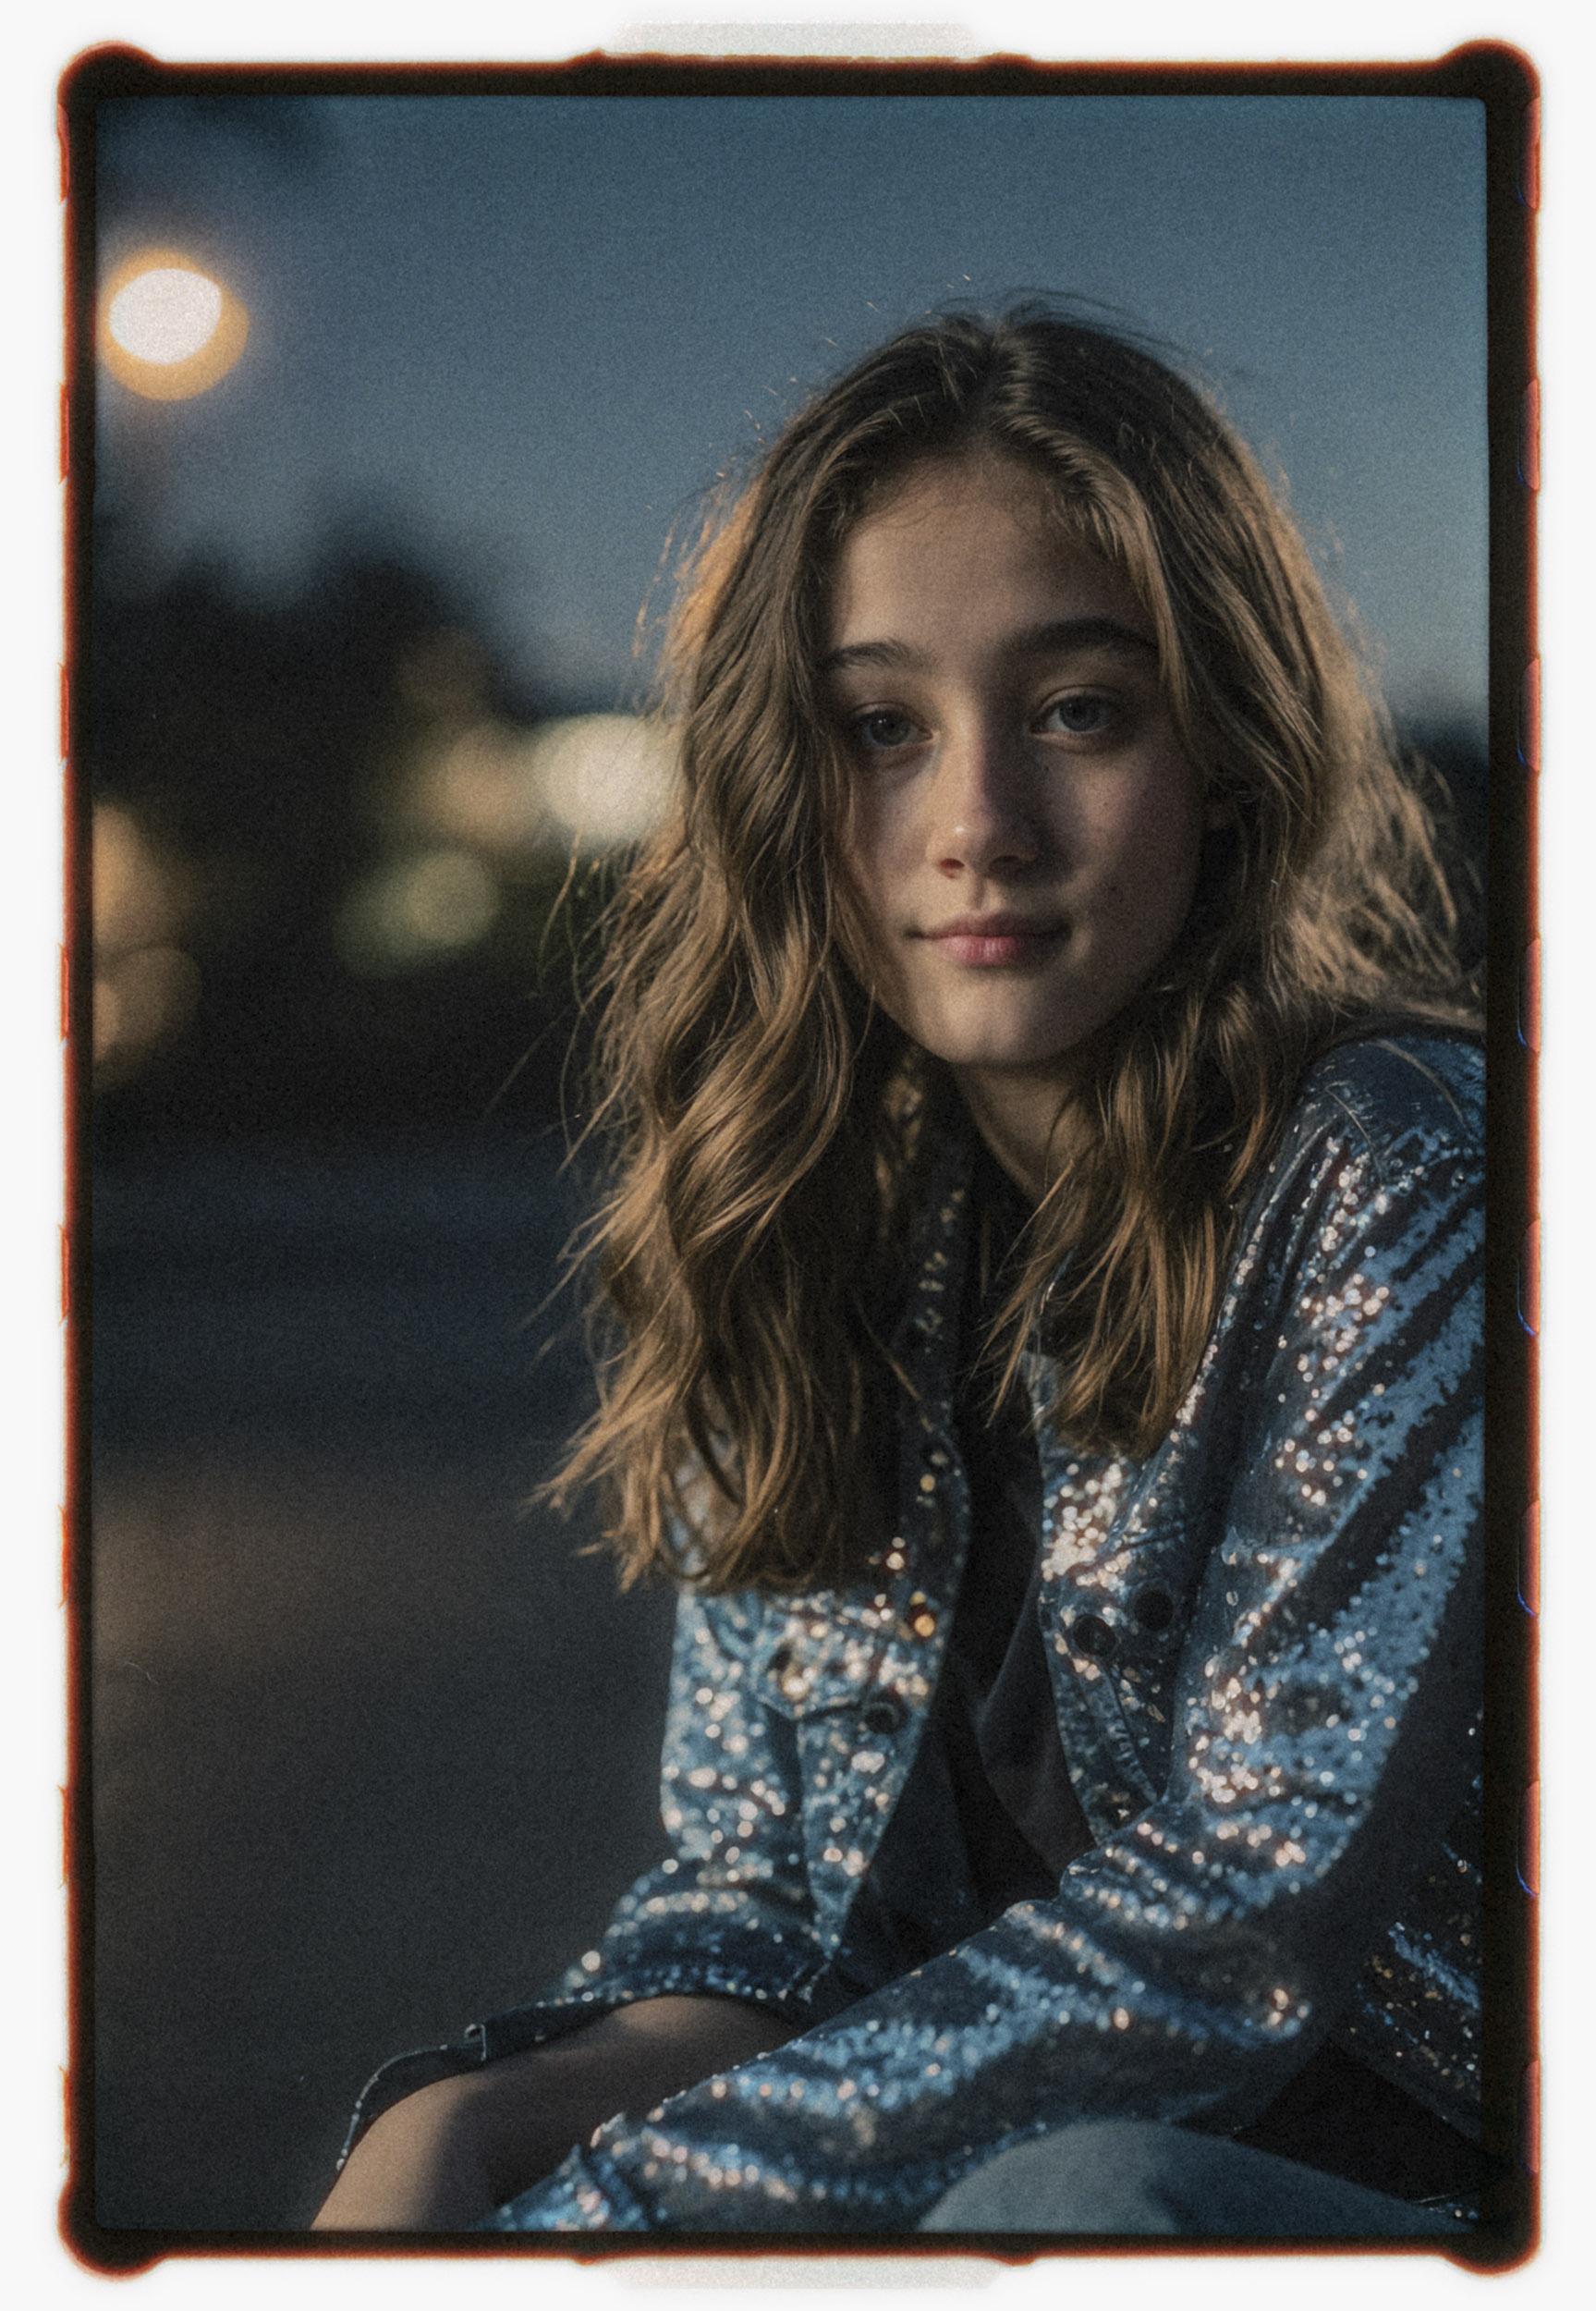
1023, 835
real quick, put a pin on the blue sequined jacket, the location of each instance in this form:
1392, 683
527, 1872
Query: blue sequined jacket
1265, 1650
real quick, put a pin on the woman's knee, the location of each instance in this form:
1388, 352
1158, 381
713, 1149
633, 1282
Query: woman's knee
418, 2164
1139, 2180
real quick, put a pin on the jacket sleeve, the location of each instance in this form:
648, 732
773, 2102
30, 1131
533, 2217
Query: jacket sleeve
1322, 1740
728, 1915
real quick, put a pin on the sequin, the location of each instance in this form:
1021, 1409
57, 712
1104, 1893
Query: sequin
1313, 1519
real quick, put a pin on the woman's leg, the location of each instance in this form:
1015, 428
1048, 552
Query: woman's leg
441, 2158
1135, 2180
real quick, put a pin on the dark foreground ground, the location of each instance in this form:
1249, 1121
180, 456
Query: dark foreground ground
373, 1749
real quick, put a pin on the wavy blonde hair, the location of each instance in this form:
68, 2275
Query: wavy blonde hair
767, 1128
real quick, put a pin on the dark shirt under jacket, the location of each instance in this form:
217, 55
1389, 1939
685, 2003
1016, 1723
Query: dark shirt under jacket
989, 1817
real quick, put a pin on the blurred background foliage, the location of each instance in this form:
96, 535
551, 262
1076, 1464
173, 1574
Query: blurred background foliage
342, 868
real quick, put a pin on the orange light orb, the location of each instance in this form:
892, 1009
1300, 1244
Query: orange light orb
167, 328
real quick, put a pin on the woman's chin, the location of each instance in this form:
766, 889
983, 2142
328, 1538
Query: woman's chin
1032, 1050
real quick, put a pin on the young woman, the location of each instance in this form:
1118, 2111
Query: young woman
1042, 1267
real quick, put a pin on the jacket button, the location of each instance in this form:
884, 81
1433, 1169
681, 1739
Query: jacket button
1092, 1636
780, 1659
1153, 1606
884, 1717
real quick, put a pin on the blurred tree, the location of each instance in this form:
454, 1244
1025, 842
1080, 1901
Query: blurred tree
262, 754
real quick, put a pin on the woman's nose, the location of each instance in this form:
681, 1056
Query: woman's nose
983, 820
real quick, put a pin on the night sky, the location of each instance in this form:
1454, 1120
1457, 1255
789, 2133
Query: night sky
522, 334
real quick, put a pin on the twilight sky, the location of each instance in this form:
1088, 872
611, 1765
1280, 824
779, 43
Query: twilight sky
523, 333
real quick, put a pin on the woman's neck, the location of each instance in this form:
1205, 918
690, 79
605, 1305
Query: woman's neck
1025, 1120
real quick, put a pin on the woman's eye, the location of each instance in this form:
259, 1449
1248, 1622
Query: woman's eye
884, 728
1080, 716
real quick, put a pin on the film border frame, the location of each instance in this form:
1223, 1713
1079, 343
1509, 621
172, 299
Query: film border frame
1503, 80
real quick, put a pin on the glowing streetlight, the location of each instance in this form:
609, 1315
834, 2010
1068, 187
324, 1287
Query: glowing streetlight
167, 329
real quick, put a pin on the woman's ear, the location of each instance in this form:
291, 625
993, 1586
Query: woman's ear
1218, 814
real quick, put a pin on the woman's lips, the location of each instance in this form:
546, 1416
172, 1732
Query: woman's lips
987, 941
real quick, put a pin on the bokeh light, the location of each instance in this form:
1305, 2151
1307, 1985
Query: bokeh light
600, 780
477, 809
481, 788
145, 985
165, 315
605, 778
417, 909
167, 328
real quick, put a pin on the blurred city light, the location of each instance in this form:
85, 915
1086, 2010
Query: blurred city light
145, 985
417, 909
606, 778
481, 788
140, 1000
135, 898
603, 780
168, 329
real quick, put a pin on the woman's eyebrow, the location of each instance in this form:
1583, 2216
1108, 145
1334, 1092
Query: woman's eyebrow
1051, 639
1081, 633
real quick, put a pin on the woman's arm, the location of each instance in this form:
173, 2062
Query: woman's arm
443, 2159
704, 1965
